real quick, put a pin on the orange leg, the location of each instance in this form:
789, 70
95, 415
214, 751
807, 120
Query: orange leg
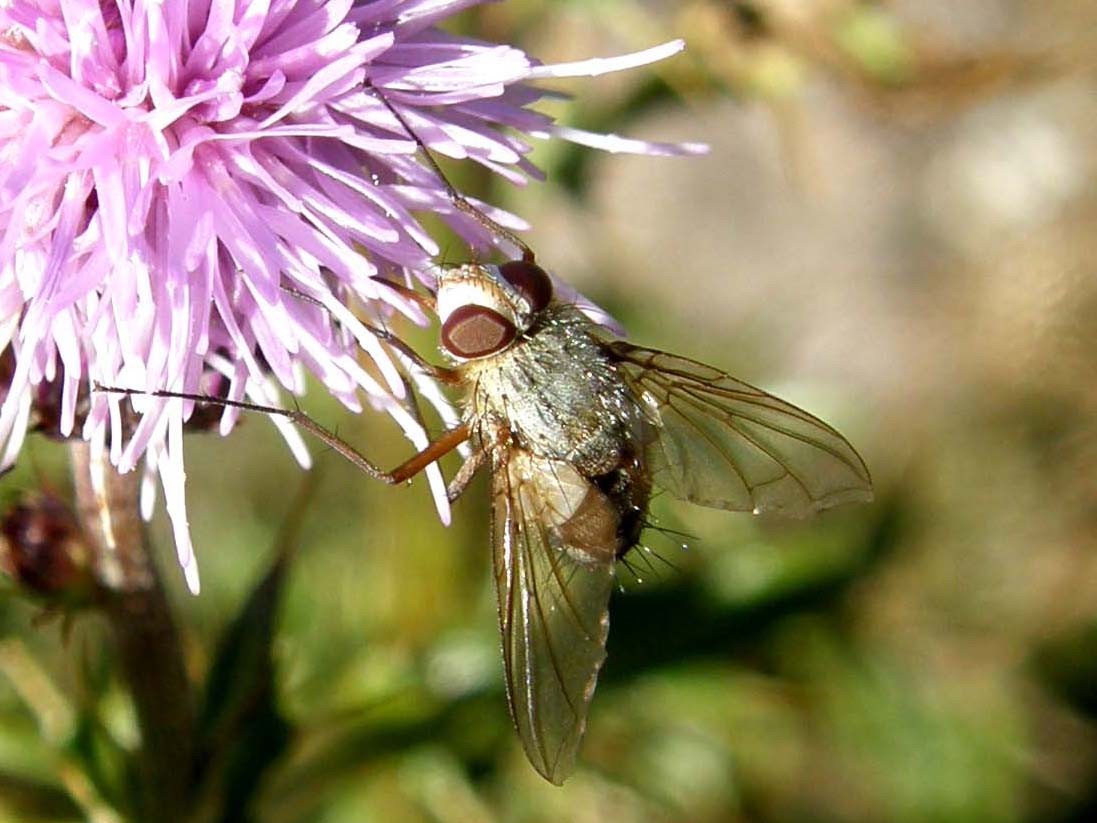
442, 446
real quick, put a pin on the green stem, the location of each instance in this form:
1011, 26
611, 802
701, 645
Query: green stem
147, 641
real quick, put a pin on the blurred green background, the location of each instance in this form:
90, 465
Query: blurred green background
896, 228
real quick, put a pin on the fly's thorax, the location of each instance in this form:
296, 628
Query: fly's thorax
558, 393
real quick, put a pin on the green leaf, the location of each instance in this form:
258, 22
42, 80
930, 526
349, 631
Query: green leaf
241, 730
108, 766
26, 799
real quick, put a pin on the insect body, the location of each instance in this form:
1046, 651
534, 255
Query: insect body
576, 429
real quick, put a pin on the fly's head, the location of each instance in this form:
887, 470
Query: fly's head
484, 308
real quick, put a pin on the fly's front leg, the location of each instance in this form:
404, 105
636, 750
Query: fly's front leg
426, 302
434, 451
446, 443
465, 474
442, 374
496, 437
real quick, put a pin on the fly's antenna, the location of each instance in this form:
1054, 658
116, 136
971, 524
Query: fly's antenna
459, 200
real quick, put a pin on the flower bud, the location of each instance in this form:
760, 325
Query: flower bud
44, 551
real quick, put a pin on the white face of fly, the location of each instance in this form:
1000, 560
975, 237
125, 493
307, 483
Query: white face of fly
484, 307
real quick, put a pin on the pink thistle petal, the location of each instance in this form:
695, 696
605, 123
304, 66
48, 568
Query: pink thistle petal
604, 65
615, 144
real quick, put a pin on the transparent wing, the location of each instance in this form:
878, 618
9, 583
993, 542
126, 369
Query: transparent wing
725, 444
553, 602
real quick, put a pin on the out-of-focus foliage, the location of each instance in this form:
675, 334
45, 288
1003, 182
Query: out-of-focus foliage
897, 229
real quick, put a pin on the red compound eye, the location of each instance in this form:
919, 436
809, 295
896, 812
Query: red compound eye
476, 331
530, 281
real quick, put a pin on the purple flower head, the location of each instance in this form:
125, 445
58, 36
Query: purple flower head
194, 195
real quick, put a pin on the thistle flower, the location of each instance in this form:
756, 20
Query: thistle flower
197, 192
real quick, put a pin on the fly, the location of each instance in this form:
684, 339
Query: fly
576, 429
